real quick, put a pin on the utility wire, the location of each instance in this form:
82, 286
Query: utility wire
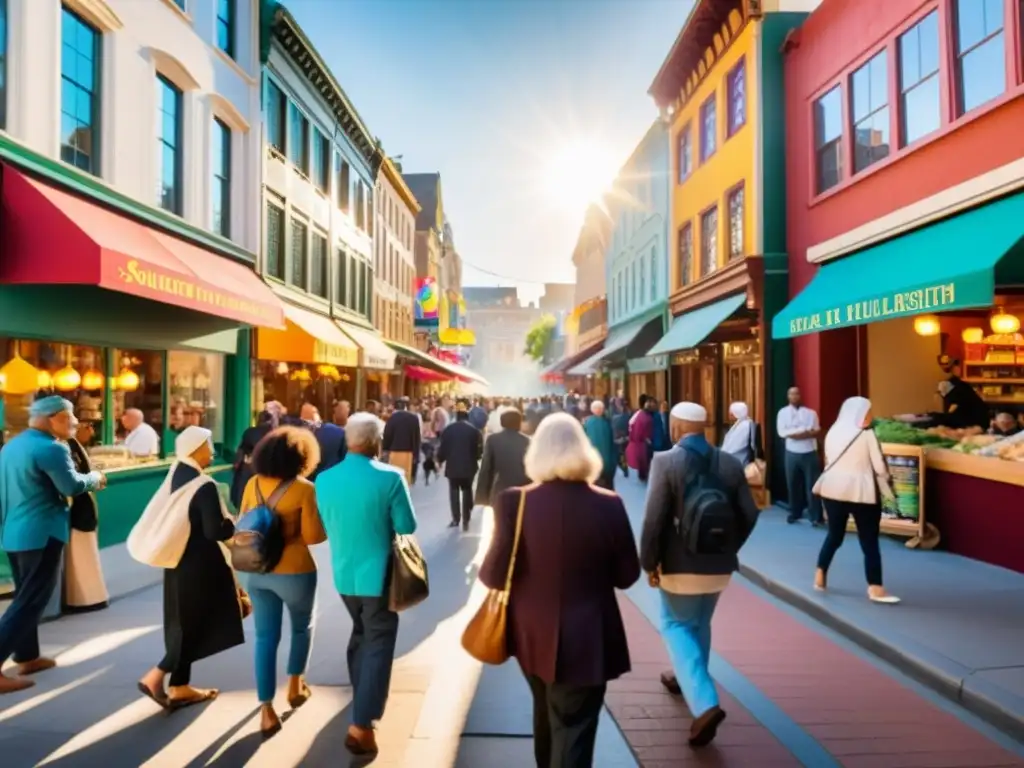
503, 277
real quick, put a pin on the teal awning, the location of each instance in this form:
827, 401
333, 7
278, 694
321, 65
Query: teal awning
691, 328
945, 266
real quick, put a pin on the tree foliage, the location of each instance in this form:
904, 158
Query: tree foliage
538, 338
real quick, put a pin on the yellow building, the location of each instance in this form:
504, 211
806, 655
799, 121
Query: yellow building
721, 90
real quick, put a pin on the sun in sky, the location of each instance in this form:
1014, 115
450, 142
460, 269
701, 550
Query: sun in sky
578, 173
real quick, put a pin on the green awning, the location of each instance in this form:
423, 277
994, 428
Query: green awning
691, 328
945, 266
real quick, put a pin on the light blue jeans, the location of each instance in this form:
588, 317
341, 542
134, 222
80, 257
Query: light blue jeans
686, 629
270, 593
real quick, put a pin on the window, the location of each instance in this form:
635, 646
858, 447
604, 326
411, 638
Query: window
342, 267
197, 391
369, 211
300, 242
708, 128
869, 93
709, 242
275, 241
642, 292
918, 51
169, 145
341, 168
980, 51
321, 161
221, 178
318, 266
226, 26
147, 395
736, 223
684, 254
828, 139
277, 109
180, 4
638, 283
736, 98
653, 259
298, 139
356, 288
3, 64
358, 203
367, 293
79, 105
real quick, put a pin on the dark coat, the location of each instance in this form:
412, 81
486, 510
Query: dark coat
84, 510
576, 549
402, 433
503, 465
243, 470
331, 439
201, 612
461, 447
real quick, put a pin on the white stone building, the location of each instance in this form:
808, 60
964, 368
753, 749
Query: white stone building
394, 254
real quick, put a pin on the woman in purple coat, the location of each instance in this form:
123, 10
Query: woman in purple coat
641, 433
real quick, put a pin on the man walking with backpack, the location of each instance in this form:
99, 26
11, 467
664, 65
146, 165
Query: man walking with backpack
699, 512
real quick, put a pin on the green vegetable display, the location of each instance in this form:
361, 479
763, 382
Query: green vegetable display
889, 431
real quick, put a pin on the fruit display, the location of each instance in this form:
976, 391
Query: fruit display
1009, 448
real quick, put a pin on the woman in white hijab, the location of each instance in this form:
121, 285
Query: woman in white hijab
853, 483
743, 438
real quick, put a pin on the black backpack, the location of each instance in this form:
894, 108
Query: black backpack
709, 524
258, 542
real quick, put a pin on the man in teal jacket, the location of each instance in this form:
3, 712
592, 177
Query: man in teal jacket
37, 477
364, 503
599, 431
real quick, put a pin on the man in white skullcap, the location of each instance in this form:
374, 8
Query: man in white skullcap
37, 477
202, 615
699, 513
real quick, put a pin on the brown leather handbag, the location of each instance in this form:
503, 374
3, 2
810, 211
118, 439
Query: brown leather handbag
485, 636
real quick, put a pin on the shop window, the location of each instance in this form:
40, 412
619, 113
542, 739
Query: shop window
298, 139
709, 242
221, 178
226, 26
685, 152
321, 161
196, 392
920, 103
708, 128
980, 52
3, 64
343, 171
275, 241
79, 102
277, 109
736, 214
299, 246
869, 93
342, 269
293, 384
684, 254
736, 98
138, 385
318, 266
653, 260
828, 139
169, 144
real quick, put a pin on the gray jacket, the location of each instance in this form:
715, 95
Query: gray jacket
660, 545
503, 465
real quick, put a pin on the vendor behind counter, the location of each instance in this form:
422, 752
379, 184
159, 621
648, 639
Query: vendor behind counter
962, 407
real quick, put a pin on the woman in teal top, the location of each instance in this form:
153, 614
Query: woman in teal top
363, 504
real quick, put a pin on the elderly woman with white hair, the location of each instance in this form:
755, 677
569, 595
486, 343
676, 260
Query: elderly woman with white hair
570, 546
364, 503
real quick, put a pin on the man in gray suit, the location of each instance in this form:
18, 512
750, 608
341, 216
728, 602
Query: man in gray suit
504, 459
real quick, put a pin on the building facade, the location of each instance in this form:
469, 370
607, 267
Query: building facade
130, 161
636, 269
905, 203
396, 210
320, 167
501, 323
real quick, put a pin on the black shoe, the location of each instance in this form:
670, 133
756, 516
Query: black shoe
671, 684
453, 524
818, 524
792, 519
465, 525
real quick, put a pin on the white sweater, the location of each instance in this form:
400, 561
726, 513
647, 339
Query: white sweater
857, 474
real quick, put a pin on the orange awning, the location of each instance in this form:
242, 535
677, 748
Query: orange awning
52, 237
308, 337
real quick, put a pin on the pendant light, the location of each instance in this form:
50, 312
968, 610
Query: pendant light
926, 325
127, 380
1004, 323
67, 378
44, 380
19, 376
973, 335
92, 380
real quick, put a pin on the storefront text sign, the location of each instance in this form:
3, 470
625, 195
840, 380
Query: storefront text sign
933, 299
331, 354
371, 360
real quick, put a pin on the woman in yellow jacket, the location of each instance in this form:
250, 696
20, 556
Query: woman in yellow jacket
281, 463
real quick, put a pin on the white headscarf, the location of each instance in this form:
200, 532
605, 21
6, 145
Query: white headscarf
740, 435
945, 387
849, 425
191, 440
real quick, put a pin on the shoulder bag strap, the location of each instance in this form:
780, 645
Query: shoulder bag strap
515, 543
278, 494
843, 452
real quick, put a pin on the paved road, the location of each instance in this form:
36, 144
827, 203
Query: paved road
796, 693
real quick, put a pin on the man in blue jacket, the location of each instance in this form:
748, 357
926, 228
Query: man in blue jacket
37, 477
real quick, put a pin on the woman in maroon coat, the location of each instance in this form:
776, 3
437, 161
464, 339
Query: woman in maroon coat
641, 433
564, 625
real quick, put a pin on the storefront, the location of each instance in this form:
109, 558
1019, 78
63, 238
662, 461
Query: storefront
952, 308
309, 361
118, 316
628, 343
376, 362
428, 374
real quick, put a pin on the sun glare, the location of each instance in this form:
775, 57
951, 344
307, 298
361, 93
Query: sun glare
579, 173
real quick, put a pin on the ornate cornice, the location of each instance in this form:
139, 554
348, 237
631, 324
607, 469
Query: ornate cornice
742, 275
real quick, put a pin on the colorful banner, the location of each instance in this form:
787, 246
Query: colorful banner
426, 311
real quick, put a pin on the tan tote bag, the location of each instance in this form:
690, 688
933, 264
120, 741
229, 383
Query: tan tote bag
485, 636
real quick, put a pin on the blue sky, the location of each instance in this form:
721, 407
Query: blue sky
488, 92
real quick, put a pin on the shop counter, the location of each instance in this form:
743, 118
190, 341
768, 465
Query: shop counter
977, 503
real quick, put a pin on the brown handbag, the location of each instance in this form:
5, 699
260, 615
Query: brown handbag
485, 636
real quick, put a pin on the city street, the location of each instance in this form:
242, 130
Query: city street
796, 693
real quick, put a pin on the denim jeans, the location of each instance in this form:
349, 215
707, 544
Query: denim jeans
686, 630
36, 574
868, 518
270, 594
371, 652
802, 471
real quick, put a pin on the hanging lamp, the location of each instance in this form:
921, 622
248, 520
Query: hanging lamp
92, 380
1004, 323
67, 378
127, 380
926, 325
973, 335
19, 376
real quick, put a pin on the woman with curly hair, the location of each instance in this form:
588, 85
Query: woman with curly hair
281, 463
